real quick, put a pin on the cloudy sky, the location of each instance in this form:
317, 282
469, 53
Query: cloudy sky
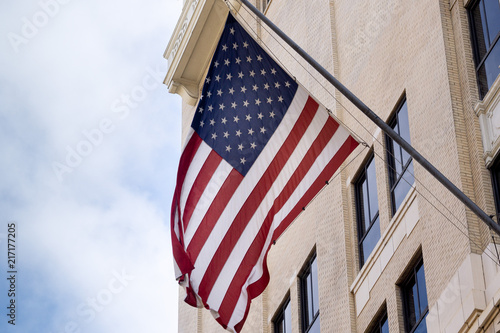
89, 144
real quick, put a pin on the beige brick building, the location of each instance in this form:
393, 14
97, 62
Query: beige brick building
383, 252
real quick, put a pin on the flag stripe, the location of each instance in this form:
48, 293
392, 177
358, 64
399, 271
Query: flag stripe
201, 182
255, 198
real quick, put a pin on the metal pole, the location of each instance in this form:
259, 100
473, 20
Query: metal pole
379, 122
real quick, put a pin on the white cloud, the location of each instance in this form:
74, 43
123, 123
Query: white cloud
107, 214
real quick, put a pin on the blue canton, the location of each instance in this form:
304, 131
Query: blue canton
245, 96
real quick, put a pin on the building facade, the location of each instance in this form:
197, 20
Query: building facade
384, 247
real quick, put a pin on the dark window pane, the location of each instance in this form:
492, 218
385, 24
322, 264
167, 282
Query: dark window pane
404, 131
411, 306
372, 188
309, 306
489, 71
492, 11
482, 40
371, 239
314, 274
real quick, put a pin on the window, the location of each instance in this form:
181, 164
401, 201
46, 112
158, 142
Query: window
310, 297
400, 163
415, 300
367, 211
484, 18
283, 320
381, 324
495, 179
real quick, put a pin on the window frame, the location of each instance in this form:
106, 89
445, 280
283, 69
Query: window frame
479, 62
495, 183
280, 315
394, 180
304, 304
362, 234
381, 319
406, 286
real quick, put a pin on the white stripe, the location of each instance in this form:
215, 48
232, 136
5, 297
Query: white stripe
255, 223
247, 185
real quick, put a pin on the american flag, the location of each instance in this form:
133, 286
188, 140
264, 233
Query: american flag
258, 151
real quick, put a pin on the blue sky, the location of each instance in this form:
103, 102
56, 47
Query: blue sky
89, 145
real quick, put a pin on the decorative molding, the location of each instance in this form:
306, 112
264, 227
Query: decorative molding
488, 111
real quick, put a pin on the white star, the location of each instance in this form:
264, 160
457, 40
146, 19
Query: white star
242, 160
238, 60
200, 110
273, 71
202, 123
243, 89
216, 64
257, 101
245, 103
259, 58
201, 97
240, 146
260, 115
249, 59
219, 92
212, 122
255, 87
277, 85
250, 131
252, 73
263, 71
207, 80
228, 148
238, 133
287, 84
272, 114
210, 108
223, 120
231, 90
227, 62
224, 47
234, 105
236, 119
226, 134
280, 99
245, 45
266, 86
240, 75
209, 94
269, 100
231, 31
214, 136
253, 145
217, 78
248, 117
263, 130
221, 106
235, 46
229, 76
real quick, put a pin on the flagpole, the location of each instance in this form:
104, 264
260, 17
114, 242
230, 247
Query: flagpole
379, 122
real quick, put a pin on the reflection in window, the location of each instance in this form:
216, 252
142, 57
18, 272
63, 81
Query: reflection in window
310, 297
367, 211
400, 163
415, 300
283, 321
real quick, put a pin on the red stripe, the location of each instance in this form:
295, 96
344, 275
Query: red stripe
255, 198
181, 258
253, 253
202, 179
214, 212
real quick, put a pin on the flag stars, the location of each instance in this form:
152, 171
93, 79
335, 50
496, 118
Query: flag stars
272, 114
214, 136
217, 78
241, 75
260, 115
212, 122
266, 86
240, 146
221, 106
228, 148
223, 120
287, 84
269, 100
207, 80
231, 31
235, 46
277, 85
263, 71
226, 134
243, 89
209, 94
219, 92
273, 71
202, 123
245, 45
253, 145
259, 58
231, 91
216, 64
249, 59
233, 105
252, 73
251, 131
238, 133
238, 60
248, 117
255, 87
227, 62
229, 76
280, 99
236, 119
245, 103
242, 160
224, 47
200, 110
263, 130
210, 108
257, 101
